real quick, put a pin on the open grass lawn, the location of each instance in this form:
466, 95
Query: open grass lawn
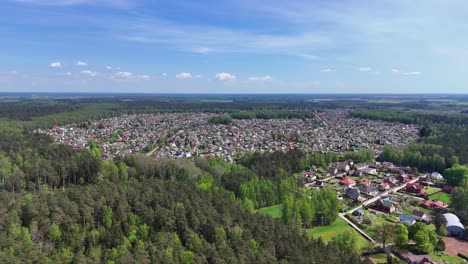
442, 196
431, 190
275, 210
440, 256
339, 226
379, 258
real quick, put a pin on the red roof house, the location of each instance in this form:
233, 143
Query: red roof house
348, 182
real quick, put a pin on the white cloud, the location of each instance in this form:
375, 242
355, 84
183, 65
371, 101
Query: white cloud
224, 76
260, 78
377, 73
202, 50
164, 74
81, 63
184, 75
395, 71
55, 64
310, 56
108, 68
131, 76
89, 73
328, 70
365, 69
68, 74
412, 73
197, 76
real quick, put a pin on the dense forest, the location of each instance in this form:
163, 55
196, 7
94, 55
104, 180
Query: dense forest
61, 205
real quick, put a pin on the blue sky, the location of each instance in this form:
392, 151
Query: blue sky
237, 46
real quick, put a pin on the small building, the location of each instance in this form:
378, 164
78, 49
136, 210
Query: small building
454, 227
419, 215
392, 181
358, 212
436, 176
403, 178
332, 171
386, 205
369, 171
365, 182
344, 166
319, 184
414, 188
408, 219
353, 194
384, 186
369, 190
433, 204
348, 182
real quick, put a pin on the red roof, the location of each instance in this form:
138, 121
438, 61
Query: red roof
347, 181
433, 204
416, 186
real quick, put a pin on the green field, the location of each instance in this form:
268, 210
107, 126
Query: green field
275, 211
339, 226
437, 256
442, 196
431, 190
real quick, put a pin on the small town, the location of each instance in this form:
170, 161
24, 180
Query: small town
183, 135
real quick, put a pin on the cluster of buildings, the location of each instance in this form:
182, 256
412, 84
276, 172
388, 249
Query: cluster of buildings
191, 134
370, 185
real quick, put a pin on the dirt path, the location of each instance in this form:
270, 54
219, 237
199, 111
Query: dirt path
454, 246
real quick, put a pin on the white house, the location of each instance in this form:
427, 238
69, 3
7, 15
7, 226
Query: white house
436, 176
369, 171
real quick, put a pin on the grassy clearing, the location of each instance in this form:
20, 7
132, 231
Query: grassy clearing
442, 196
431, 190
339, 226
274, 211
379, 258
440, 256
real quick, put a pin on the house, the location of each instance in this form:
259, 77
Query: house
309, 177
436, 176
365, 182
353, 194
419, 215
358, 173
388, 165
424, 180
332, 171
369, 190
454, 227
411, 258
348, 182
319, 184
433, 204
343, 166
408, 219
414, 188
402, 178
392, 181
386, 205
384, 186
369, 171
358, 212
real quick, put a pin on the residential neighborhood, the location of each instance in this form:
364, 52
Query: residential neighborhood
182, 135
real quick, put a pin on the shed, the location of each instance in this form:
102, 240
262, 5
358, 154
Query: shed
454, 227
406, 218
